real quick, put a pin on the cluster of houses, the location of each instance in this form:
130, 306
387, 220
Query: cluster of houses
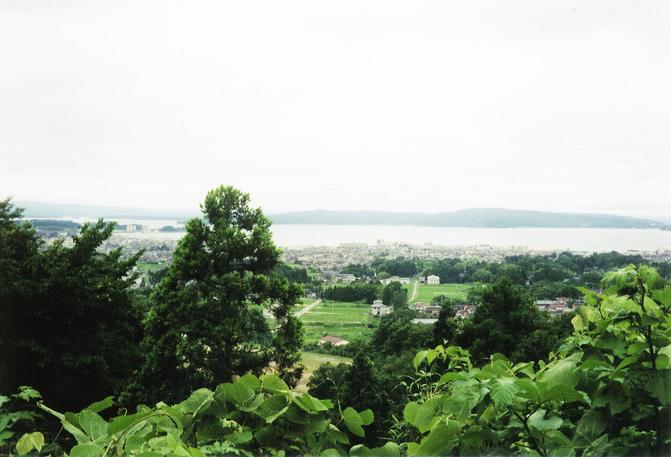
391, 279
558, 306
464, 311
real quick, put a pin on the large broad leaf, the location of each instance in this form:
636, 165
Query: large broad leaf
388, 450
440, 441
121, 423
560, 372
309, 403
538, 421
87, 450
30, 441
70, 423
366, 416
562, 392
419, 358
504, 391
197, 401
273, 408
590, 427
92, 424
274, 384
236, 393
578, 323
101, 405
420, 415
251, 382
659, 386
649, 276
353, 421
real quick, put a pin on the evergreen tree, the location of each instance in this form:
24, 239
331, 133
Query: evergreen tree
445, 328
69, 324
508, 322
206, 324
361, 389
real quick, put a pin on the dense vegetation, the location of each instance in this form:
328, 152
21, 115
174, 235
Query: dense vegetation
195, 368
73, 318
68, 314
605, 391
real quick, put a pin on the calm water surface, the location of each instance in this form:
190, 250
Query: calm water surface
574, 239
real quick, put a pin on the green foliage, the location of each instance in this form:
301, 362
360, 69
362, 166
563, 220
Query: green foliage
354, 292
11, 416
396, 267
68, 314
446, 327
251, 416
604, 392
206, 324
397, 333
508, 323
394, 294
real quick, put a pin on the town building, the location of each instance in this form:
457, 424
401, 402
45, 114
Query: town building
380, 309
424, 321
333, 341
465, 311
427, 309
433, 280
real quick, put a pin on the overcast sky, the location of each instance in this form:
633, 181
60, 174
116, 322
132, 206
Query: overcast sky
408, 106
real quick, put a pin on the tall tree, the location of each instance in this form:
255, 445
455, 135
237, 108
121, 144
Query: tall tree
445, 328
71, 328
207, 323
394, 294
504, 323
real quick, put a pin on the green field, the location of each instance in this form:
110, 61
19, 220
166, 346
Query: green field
145, 267
426, 293
303, 303
342, 319
312, 361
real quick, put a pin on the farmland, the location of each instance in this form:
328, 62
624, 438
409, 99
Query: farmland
425, 293
312, 361
342, 319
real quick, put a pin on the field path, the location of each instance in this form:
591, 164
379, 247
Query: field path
414, 291
308, 308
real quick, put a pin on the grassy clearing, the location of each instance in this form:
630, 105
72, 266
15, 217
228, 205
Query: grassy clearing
343, 319
146, 267
312, 361
425, 293
303, 303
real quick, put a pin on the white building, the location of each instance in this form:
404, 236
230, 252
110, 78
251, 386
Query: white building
432, 280
380, 309
424, 321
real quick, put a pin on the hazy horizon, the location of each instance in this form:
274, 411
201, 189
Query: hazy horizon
185, 212
383, 105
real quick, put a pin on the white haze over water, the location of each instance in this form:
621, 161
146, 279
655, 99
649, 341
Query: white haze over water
535, 239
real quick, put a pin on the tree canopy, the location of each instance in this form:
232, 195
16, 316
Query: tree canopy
206, 323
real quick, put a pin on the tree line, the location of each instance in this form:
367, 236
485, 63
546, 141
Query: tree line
74, 326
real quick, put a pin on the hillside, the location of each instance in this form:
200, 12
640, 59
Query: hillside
475, 217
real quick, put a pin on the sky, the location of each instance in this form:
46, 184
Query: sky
424, 106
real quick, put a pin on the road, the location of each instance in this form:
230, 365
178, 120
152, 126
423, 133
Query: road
414, 291
308, 308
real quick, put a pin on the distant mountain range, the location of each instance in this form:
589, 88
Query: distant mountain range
475, 217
